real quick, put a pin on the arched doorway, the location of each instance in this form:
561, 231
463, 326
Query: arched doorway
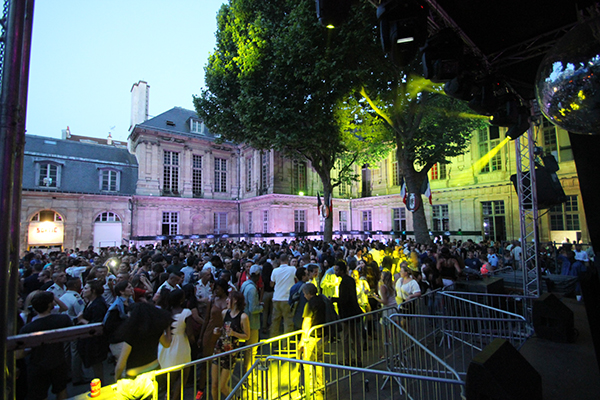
108, 230
46, 230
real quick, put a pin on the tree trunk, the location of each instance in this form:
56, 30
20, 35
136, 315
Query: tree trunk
414, 181
327, 193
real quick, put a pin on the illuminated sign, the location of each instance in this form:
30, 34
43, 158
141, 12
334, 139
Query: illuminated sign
45, 233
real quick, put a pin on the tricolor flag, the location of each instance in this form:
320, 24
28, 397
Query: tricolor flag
426, 189
403, 190
319, 204
330, 204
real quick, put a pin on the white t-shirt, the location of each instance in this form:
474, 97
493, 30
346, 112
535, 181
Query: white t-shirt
284, 280
74, 303
405, 290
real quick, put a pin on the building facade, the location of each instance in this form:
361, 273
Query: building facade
178, 181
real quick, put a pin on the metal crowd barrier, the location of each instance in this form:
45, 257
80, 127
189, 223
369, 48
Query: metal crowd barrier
457, 328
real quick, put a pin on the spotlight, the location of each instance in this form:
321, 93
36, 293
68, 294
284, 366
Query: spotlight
442, 56
485, 102
522, 125
332, 13
403, 28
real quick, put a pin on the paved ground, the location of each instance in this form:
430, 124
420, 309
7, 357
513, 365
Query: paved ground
569, 371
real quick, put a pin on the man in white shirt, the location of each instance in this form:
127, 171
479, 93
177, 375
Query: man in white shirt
175, 278
517, 253
581, 255
203, 287
282, 279
58, 287
75, 306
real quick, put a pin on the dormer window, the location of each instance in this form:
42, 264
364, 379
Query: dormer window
196, 126
110, 180
48, 174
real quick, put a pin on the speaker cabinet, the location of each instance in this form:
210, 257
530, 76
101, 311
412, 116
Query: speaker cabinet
500, 372
553, 320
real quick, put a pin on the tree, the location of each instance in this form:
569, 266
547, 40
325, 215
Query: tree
278, 80
427, 127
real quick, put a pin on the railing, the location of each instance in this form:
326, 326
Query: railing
457, 328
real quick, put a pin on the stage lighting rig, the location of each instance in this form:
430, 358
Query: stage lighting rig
403, 28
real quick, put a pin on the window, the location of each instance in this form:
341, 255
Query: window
46, 216
265, 221
366, 181
376, 173
488, 140
367, 223
264, 171
299, 177
107, 217
565, 217
170, 223
549, 133
248, 174
299, 221
48, 175
110, 180
395, 174
250, 227
197, 175
438, 172
343, 221
170, 172
342, 189
220, 223
441, 218
195, 126
493, 217
220, 175
398, 219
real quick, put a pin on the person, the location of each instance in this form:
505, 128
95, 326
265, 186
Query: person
75, 305
448, 267
492, 257
117, 313
213, 318
282, 279
267, 296
179, 350
387, 292
46, 364
348, 307
297, 299
253, 309
58, 287
93, 350
407, 288
175, 278
141, 333
236, 327
204, 286
363, 290
311, 347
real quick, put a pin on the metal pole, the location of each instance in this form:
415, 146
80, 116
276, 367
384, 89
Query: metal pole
17, 24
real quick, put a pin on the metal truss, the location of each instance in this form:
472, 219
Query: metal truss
528, 212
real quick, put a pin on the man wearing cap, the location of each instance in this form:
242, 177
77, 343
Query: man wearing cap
253, 309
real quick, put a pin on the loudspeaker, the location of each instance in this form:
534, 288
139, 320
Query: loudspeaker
549, 190
553, 320
500, 372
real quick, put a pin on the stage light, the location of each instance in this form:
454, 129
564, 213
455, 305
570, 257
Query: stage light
442, 55
332, 13
403, 28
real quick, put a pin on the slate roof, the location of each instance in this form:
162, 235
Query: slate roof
176, 120
80, 164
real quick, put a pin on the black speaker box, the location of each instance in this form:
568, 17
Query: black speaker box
549, 190
500, 372
553, 320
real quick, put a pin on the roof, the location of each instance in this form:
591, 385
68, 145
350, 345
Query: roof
40, 145
177, 120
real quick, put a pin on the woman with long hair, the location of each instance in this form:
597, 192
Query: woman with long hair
236, 326
407, 287
146, 326
387, 292
93, 350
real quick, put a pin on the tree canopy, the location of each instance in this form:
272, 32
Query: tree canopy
278, 80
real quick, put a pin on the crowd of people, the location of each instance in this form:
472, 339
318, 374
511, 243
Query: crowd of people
166, 305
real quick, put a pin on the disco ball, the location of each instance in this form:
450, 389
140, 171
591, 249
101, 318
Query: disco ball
568, 80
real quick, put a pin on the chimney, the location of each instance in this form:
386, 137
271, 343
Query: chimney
140, 93
109, 139
66, 133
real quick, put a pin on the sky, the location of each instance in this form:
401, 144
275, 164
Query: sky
87, 54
